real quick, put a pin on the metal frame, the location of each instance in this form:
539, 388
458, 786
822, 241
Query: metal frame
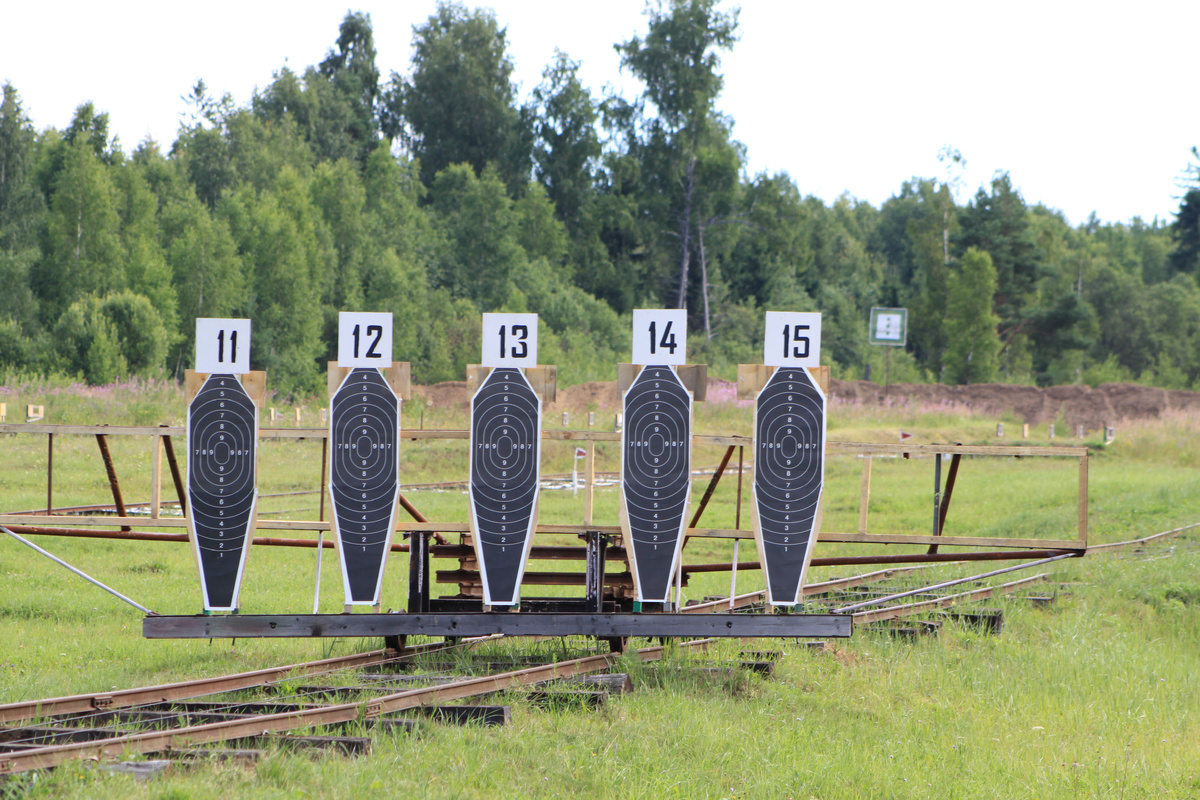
601, 586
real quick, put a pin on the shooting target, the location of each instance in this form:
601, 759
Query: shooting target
789, 471
364, 478
656, 449
222, 435
506, 437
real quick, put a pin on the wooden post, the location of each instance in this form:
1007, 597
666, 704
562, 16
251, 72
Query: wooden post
324, 466
156, 477
589, 483
118, 500
1083, 500
176, 477
864, 494
49, 474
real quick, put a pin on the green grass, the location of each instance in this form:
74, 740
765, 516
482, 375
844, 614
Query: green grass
1093, 696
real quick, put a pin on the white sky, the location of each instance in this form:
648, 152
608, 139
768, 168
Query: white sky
1089, 106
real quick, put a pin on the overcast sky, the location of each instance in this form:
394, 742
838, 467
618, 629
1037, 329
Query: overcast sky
1089, 106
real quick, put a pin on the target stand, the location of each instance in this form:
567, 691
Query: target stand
787, 471
656, 471
364, 472
505, 474
222, 478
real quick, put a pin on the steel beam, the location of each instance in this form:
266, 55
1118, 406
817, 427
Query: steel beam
510, 624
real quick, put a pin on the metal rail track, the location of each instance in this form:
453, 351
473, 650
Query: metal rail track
48, 756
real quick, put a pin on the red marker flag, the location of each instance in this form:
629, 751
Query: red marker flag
904, 436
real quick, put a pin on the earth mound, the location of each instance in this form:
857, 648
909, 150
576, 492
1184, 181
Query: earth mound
1080, 404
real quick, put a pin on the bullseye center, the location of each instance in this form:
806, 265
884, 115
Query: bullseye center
504, 447
789, 446
362, 448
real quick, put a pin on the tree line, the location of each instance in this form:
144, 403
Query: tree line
438, 193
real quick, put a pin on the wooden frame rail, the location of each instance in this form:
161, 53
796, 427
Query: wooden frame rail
867, 451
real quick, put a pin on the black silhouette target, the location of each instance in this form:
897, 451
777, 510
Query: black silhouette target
656, 471
506, 437
789, 471
222, 435
364, 478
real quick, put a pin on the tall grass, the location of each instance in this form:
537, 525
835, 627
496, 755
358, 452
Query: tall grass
1093, 696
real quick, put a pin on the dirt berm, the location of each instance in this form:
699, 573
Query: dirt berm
1080, 404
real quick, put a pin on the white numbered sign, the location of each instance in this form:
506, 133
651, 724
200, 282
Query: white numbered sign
793, 339
659, 336
365, 339
510, 340
223, 346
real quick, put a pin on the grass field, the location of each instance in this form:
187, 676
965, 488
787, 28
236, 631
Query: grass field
1094, 695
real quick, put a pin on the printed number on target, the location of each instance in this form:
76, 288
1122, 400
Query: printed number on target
792, 339
223, 346
509, 340
365, 339
659, 336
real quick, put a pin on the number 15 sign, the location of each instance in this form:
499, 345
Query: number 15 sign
793, 339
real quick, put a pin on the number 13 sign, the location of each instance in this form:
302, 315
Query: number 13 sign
510, 340
793, 339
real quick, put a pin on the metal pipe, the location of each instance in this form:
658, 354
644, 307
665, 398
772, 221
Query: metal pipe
712, 487
317, 588
180, 492
947, 584
138, 536
906, 558
111, 470
81, 574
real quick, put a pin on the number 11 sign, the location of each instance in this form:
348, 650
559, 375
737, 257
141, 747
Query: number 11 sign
223, 346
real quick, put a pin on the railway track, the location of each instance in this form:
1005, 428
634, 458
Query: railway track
173, 719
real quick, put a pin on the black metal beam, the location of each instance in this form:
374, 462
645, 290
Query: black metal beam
483, 624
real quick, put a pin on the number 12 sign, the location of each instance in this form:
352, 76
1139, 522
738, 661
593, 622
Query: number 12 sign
793, 339
365, 339
510, 340
223, 346
659, 336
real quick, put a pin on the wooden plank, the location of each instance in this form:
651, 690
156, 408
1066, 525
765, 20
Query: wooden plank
156, 476
254, 382
751, 378
1083, 500
962, 541
589, 484
852, 448
476, 375
832, 447
694, 377
864, 495
482, 624
544, 380
626, 375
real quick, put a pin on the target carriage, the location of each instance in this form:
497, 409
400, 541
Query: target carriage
505, 446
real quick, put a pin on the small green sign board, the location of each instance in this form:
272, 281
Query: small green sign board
888, 326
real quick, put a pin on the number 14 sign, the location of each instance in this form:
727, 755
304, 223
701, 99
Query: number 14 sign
659, 336
793, 339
